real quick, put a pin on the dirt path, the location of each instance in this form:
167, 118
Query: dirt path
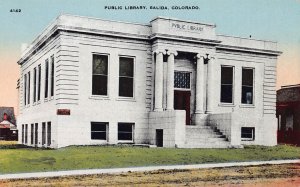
266, 175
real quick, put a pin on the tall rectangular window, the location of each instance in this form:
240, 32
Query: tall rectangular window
52, 76
39, 82
22, 133
34, 85
247, 85
26, 133
125, 131
126, 76
100, 72
25, 89
31, 134
36, 134
226, 84
99, 130
43, 133
46, 78
28, 87
49, 133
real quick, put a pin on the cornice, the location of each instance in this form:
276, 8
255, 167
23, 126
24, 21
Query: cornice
246, 49
184, 38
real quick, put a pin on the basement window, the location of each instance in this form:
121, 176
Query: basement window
125, 132
99, 130
247, 133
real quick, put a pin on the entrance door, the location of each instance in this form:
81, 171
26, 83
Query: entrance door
159, 137
182, 102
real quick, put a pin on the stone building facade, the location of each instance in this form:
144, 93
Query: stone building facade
170, 83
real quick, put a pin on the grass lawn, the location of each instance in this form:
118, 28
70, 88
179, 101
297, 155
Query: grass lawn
17, 159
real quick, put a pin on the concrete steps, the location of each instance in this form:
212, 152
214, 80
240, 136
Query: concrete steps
205, 137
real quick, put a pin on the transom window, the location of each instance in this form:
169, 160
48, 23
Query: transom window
182, 80
126, 76
99, 130
226, 84
247, 85
125, 131
100, 71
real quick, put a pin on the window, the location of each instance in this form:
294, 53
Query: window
100, 71
126, 76
99, 130
26, 133
52, 76
34, 85
25, 89
28, 87
49, 133
46, 78
125, 131
39, 82
36, 134
43, 133
247, 85
226, 84
22, 133
182, 80
31, 134
248, 133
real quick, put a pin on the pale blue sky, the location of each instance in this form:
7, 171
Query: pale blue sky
277, 20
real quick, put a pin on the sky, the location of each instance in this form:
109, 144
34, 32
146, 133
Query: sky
275, 20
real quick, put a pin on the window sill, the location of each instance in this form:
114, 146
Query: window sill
247, 106
130, 99
99, 97
227, 105
125, 142
98, 140
247, 140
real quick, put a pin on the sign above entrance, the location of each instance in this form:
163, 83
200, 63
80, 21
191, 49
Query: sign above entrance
183, 29
186, 27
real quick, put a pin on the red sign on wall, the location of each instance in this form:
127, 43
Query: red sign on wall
63, 112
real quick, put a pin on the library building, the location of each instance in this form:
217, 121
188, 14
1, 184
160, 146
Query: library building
166, 83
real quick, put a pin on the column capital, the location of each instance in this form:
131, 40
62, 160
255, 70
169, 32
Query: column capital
163, 51
200, 55
169, 52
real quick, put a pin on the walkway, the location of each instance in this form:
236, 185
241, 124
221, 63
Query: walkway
139, 169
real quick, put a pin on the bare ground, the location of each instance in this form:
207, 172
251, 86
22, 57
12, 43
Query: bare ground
266, 175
